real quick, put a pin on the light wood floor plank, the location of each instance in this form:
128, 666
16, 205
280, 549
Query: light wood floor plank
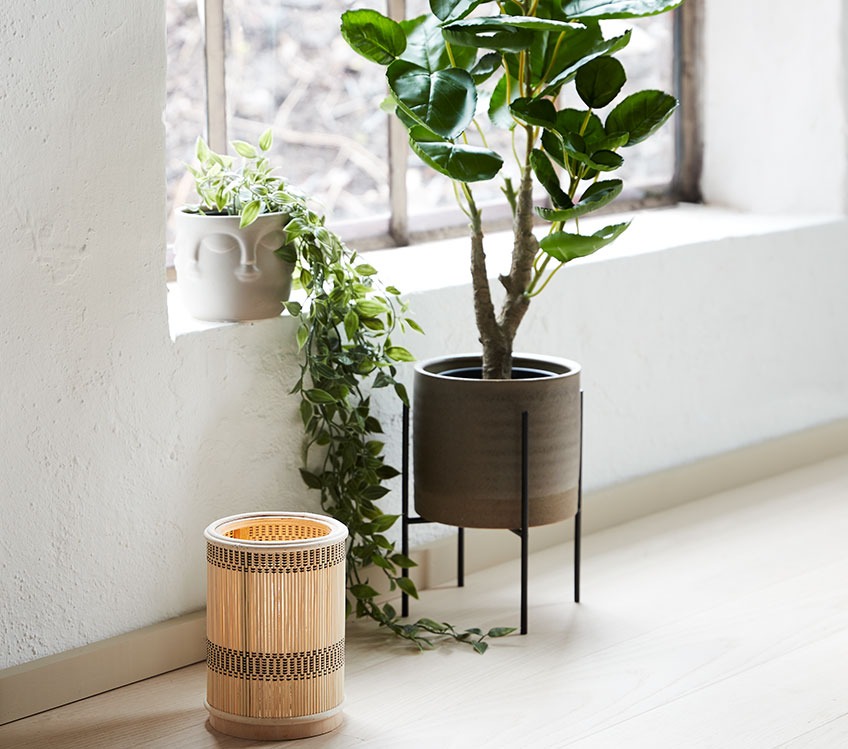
831, 734
721, 623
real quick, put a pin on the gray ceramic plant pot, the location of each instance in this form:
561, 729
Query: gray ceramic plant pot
467, 441
229, 274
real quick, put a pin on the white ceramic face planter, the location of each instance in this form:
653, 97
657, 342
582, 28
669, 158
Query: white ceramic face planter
229, 274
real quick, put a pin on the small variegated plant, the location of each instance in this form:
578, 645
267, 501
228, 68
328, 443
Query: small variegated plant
246, 190
346, 324
543, 70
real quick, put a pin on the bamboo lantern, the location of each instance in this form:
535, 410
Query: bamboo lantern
275, 624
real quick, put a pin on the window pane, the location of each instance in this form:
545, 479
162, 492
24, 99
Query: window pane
649, 61
288, 67
185, 107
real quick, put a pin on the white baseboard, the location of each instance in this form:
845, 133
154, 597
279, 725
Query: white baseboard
57, 680
82, 672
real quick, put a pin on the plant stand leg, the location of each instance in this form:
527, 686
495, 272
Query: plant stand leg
460, 557
404, 598
578, 518
525, 517
523, 532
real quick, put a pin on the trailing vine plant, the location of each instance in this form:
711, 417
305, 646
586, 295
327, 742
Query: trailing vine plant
346, 323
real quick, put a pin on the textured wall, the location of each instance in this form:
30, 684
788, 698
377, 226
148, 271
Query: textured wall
775, 87
119, 445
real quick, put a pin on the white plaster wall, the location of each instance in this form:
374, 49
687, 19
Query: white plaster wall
119, 445
774, 105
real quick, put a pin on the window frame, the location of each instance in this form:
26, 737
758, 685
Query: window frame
398, 228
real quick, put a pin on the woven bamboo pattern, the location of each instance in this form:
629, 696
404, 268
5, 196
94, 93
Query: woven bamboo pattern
275, 618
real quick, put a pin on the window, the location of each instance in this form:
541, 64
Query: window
284, 64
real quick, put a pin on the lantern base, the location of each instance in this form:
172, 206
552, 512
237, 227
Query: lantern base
274, 729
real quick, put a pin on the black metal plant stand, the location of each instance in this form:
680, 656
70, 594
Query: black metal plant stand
522, 532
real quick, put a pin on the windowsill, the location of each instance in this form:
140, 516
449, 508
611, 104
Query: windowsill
430, 266
442, 264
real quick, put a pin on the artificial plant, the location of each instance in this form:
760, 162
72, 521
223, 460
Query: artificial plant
542, 69
346, 320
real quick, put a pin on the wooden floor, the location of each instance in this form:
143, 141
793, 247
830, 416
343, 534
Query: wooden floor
722, 623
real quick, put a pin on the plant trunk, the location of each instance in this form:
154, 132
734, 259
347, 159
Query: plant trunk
497, 351
497, 333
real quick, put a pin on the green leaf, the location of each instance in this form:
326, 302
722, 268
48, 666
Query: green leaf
500, 631
288, 253
480, 646
383, 523
363, 591
302, 336
485, 67
451, 10
414, 325
400, 391
605, 161
599, 9
293, 308
540, 112
399, 353
552, 145
375, 447
599, 81
571, 122
547, 176
306, 409
310, 479
383, 542
369, 308
459, 162
250, 213
351, 323
596, 49
379, 560
488, 25
382, 380
385, 472
201, 150
266, 139
425, 46
596, 196
401, 560
444, 100
499, 112
565, 247
489, 33
373, 36
317, 395
432, 625
641, 114
374, 492
244, 149
407, 586
366, 270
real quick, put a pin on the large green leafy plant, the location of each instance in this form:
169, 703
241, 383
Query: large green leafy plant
347, 318
541, 69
